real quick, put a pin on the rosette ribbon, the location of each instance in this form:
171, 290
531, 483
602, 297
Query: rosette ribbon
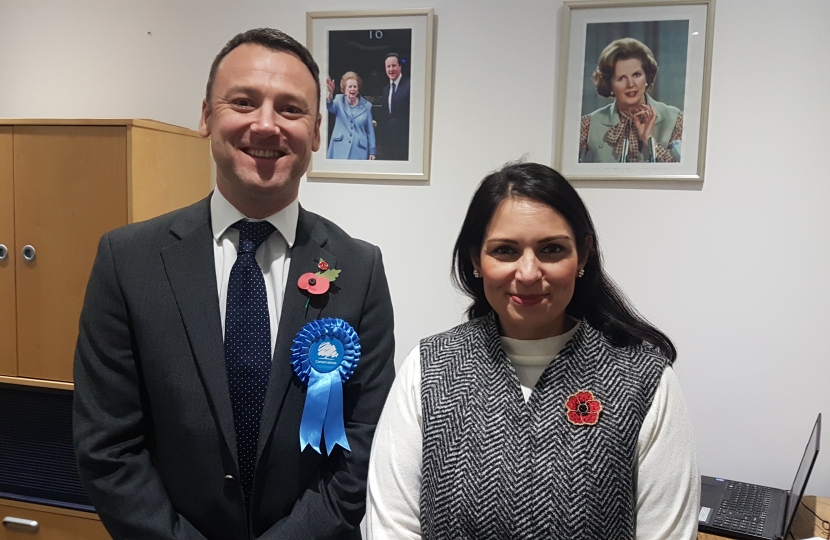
324, 355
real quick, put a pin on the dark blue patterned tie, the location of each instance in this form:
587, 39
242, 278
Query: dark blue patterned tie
247, 345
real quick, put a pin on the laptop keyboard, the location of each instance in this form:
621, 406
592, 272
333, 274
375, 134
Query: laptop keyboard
745, 510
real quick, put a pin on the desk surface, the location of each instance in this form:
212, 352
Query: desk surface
805, 525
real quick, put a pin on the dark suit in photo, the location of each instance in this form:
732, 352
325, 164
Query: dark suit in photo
393, 141
154, 429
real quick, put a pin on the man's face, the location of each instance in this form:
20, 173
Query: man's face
393, 68
263, 125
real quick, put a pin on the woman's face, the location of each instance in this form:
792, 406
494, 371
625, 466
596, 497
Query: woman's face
352, 89
528, 263
629, 83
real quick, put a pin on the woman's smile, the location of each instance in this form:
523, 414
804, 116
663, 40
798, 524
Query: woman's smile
527, 299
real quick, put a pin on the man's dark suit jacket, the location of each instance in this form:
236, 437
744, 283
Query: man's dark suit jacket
153, 423
393, 142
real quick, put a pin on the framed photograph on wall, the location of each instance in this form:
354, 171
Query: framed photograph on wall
634, 95
376, 78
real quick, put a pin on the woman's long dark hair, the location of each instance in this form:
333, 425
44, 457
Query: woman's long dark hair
596, 298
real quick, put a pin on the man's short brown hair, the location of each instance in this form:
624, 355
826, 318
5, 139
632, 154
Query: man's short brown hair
269, 38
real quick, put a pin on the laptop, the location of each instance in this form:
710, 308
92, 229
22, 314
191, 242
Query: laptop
749, 511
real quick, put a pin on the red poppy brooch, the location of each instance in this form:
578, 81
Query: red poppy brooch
318, 283
583, 409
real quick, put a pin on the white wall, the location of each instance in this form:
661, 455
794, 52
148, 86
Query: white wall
736, 271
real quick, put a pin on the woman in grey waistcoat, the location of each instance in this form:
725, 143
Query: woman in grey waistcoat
553, 412
634, 124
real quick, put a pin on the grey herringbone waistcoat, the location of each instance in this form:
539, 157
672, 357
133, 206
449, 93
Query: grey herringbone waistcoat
495, 467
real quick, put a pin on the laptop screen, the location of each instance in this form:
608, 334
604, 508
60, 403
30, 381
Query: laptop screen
802, 475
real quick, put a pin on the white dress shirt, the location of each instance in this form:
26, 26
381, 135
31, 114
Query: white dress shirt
667, 480
273, 256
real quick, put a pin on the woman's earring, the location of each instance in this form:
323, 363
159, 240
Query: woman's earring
476, 273
581, 273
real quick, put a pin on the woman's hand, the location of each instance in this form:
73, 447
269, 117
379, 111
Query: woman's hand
371, 157
644, 118
330, 87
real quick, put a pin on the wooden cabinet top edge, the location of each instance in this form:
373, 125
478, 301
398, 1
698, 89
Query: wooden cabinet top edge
49, 509
42, 383
128, 122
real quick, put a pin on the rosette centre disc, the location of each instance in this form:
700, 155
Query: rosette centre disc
325, 354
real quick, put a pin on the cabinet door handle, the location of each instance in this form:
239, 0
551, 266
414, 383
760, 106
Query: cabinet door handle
29, 253
4, 252
22, 525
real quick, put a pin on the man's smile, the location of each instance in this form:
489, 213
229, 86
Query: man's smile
259, 153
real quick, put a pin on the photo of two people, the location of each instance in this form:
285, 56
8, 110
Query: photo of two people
368, 94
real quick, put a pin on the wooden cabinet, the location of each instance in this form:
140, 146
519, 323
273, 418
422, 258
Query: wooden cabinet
8, 332
23, 521
63, 183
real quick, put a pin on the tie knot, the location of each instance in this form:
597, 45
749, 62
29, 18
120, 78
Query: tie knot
252, 234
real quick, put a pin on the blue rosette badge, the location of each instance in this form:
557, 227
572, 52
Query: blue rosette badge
324, 355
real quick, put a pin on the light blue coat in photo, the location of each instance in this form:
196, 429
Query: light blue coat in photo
354, 135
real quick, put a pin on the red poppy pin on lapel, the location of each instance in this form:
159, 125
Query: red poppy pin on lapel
583, 409
318, 283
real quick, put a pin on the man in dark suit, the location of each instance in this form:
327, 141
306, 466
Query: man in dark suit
179, 435
393, 121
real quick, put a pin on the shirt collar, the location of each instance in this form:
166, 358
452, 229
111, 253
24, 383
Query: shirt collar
223, 214
396, 81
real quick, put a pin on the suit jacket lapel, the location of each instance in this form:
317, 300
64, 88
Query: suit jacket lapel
364, 106
306, 252
359, 110
190, 268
